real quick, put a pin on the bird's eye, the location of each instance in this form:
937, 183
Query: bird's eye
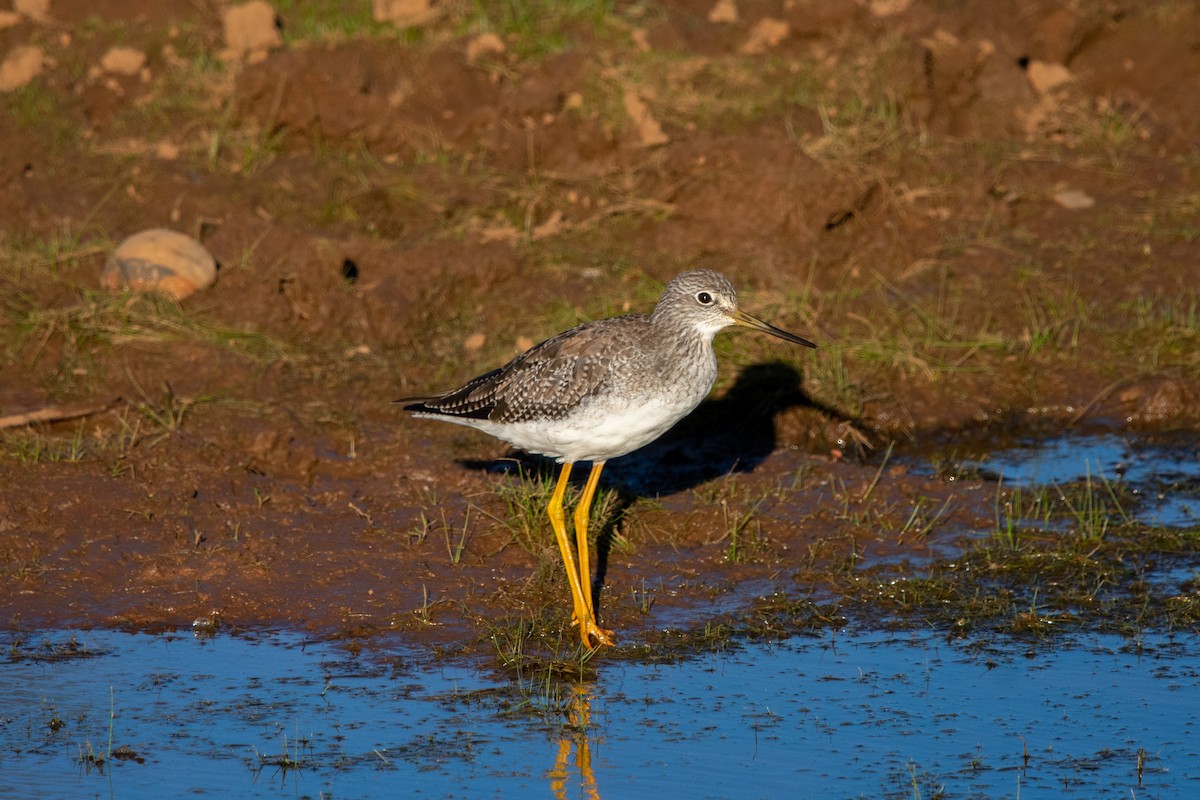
704, 298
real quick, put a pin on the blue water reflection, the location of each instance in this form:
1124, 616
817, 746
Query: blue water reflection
1164, 470
874, 715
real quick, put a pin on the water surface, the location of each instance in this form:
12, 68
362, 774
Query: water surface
844, 716
1162, 471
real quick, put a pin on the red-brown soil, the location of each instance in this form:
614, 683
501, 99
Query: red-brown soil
926, 244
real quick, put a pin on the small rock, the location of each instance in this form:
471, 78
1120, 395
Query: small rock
1074, 199
1046, 77
474, 342
251, 31
8, 19
123, 61
160, 260
22, 64
724, 11
166, 151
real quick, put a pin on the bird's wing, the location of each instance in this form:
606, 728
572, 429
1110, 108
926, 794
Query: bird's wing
546, 381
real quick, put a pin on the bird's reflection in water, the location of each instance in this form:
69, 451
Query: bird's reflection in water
576, 734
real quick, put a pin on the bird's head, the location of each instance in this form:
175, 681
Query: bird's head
706, 301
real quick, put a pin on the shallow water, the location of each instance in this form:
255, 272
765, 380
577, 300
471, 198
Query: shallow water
873, 715
847, 715
1163, 470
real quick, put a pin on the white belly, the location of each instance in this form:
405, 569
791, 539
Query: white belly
637, 408
597, 432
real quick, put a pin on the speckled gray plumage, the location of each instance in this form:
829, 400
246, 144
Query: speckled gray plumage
604, 388
547, 381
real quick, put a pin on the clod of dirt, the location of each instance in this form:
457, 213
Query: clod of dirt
20, 66
127, 753
650, 132
724, 11
406, 13
160, 260
485, 44
886, 8
251, 31
1074, 199
36, 10
1045, 77
123, 61
8, 19
766, 33
1154, 400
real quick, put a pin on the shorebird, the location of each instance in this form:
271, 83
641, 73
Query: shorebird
599, 391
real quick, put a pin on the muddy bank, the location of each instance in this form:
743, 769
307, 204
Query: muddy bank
985, 216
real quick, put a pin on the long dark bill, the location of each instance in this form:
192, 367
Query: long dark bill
744, 319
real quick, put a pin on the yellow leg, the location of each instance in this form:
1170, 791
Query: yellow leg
579, 734
558, 775
558, 521
581, 720
582, 511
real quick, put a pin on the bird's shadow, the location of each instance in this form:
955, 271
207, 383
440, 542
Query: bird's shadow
729, 434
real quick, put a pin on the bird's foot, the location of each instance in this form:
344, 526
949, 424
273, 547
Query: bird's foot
600, 636
593, 635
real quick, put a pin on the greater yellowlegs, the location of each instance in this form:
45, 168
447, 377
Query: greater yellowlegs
599, 391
